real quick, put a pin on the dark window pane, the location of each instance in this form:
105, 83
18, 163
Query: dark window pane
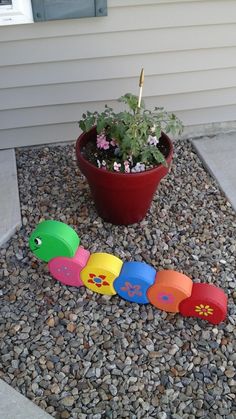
5, 2
61, 9
67, 9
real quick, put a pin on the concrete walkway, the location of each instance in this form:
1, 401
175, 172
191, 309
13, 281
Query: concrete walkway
10, 218
219, 157
15, 406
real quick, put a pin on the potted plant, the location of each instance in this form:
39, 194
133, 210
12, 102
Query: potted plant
124, 155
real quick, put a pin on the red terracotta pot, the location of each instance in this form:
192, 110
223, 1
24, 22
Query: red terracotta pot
121, 198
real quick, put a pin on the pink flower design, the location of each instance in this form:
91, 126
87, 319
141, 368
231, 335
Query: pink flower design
102, 141
165, 297
113, 143
131, 289
127, 167
117, 166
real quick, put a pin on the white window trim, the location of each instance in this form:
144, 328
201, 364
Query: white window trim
19, 12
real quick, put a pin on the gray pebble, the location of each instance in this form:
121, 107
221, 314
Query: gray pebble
113, 390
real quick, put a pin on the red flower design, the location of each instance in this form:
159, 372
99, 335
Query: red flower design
132, 289
98, 280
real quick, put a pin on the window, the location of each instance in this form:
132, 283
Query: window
15, 11
27, 11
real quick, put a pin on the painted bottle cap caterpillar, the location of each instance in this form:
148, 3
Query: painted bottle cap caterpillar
53, 238
67, 270
206, 302
100, 273
58, 244
134, 280
169, 289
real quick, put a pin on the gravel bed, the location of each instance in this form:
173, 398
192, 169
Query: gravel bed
77, 354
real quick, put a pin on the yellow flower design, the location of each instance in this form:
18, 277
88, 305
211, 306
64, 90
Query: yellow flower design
204, 310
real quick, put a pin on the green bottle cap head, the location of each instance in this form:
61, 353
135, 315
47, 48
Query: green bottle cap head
52, 239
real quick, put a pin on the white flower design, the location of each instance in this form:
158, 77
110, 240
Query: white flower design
139, 167
152, 140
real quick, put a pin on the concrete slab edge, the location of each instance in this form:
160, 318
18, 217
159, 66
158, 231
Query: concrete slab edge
8, 174
15, 406
209, 169
11, 231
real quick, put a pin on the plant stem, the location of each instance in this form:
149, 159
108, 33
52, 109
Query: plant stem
141, 82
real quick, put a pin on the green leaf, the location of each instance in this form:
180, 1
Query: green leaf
100, 125
132, 101
82, 125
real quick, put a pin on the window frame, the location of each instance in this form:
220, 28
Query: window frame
20, 11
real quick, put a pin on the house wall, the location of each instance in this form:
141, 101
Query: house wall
51, 72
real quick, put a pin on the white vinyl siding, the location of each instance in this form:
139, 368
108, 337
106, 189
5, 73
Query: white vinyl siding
51, 72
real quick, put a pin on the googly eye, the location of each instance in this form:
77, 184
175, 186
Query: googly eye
38, 241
